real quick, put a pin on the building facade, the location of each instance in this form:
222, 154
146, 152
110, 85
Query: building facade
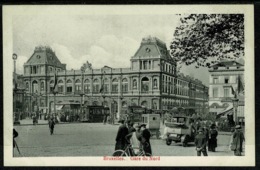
226, 84
151, 81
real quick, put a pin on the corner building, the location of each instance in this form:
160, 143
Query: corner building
151, 81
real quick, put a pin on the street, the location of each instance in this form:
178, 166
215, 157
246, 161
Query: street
94, 139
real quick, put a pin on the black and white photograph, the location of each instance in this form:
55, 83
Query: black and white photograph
129, 85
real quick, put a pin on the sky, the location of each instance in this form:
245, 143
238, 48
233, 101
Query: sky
100, 39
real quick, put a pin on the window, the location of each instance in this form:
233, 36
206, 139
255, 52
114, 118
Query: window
215, 80
124, 85
145, 84
87, 88
96, 88
226, 80
114, 88
226, 92
77, 86
215, 92
69, 89
145, 65
69, 86
60, 89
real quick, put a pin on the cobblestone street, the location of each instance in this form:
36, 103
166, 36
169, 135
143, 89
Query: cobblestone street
94, 139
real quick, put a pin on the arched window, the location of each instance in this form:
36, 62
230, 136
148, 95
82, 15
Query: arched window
69, 81
77, 86
51, 85
87, 86
35, 86
115, 86
96, 88
125, 85
145, 85
60, 86
105, 85
69, 86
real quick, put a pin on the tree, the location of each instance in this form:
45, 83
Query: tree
204, 39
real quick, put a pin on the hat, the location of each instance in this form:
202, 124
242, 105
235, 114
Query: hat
143, 125
212, 126
238, 127
121, 121
200, 130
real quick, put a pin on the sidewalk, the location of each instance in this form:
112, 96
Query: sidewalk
30, 122
25, 122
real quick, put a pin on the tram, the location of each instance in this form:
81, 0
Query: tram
94, 114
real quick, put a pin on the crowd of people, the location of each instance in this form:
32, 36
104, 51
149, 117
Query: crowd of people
138, 137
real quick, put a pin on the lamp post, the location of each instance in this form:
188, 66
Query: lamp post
82, 91
16, 117
235, 105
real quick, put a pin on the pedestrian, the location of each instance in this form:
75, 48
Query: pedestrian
105, 118
146, 139
51, 125
120, 137
15, 134
129, 137
213, 133
130, 126
200, 143
238, 139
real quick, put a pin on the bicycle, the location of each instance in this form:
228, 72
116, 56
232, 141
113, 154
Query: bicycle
129, 151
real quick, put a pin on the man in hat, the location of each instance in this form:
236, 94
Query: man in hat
51, 124
146, 139
238, 139
201, 142
120, 137
213, 133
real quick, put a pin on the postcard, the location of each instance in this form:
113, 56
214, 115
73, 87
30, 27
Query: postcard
121, 85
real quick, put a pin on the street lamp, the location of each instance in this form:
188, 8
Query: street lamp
235, 105
16, 117
82, 91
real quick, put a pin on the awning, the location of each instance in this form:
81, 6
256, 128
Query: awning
228, 111
59, 107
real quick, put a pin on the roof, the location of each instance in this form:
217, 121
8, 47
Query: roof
153, 47
44, 55
227, 64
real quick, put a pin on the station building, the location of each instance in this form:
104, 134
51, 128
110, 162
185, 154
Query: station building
151, 81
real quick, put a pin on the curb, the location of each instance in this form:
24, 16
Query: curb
61, 123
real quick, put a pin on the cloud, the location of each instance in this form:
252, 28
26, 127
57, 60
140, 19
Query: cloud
19, 63
65, 56
112, 51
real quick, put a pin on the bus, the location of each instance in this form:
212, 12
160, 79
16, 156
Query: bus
94, 114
